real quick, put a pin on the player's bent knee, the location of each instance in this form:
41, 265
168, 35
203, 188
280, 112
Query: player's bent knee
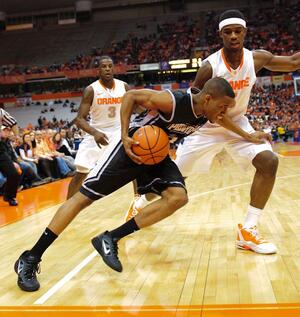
176, 197
183, 200
274, 162
79, 176
266, 162
81, 200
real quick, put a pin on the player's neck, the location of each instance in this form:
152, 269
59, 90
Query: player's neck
107, 83
198, 103
233, 57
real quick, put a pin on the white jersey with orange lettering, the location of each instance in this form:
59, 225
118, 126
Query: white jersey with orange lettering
105, 109
198, 150
241, 79
105, 117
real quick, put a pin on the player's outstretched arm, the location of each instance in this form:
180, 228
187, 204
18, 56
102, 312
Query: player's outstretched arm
277, 63
130, 101
148, 99
256, 137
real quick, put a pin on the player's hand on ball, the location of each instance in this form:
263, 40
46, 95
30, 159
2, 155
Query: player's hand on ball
259, 137
128, 143
100, 138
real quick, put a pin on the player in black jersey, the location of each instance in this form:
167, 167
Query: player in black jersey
174, 111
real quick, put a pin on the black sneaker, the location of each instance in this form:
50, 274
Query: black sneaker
108, 249
11, 201
26, 267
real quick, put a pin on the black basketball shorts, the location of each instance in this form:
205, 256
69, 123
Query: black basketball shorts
115, 169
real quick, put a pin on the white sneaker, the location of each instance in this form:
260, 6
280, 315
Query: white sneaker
133, 210
249, 239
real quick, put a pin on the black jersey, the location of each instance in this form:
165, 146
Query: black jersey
115, 169
182, 122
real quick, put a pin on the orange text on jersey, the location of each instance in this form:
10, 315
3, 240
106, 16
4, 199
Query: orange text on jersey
109, 101
239, 84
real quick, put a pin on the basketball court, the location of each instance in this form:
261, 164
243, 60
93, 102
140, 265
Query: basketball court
186, 265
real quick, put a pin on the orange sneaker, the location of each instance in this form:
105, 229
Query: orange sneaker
248, 239
133, 210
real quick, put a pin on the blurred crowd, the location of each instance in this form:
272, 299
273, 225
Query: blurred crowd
276, 30
170, 41
269, 29
77, 63
276, 110
40, 155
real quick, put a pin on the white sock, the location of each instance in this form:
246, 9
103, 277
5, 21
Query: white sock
141, 202
252, 217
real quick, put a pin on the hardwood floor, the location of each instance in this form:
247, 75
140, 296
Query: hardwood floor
186, 265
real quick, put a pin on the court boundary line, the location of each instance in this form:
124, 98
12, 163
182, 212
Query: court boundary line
66, 278
154, 308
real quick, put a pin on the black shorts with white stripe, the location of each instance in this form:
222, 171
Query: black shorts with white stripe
118, 170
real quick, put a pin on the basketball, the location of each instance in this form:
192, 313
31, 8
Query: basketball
153, 144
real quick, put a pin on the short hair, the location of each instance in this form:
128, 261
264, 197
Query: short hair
231, 14
218, 87
103, 57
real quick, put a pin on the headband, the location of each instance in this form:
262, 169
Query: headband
231, 21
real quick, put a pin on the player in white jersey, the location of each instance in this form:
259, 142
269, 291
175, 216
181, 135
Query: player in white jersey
239, 66
101, 101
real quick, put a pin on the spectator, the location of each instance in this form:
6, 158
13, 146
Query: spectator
50, 166
28, 176
6, 164
64, 162
60, 145
68, 141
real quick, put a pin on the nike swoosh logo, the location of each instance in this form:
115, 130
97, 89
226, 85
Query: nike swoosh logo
20, 267
106, 250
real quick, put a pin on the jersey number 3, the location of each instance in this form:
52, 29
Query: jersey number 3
111, 112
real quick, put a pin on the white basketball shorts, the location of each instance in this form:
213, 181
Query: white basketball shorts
196, 153
89, 152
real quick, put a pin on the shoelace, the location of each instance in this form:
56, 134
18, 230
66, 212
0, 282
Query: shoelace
254, 232
115, 248
29, 271
135, 211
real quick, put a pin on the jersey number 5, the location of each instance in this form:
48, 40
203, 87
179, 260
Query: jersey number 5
111, 112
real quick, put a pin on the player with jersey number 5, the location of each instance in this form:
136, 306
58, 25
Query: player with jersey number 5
101, 101
239, 66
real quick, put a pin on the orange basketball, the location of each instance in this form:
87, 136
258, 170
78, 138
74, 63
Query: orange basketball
153, 144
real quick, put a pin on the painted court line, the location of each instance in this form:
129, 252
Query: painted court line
235, 186
88, 259
65, 279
